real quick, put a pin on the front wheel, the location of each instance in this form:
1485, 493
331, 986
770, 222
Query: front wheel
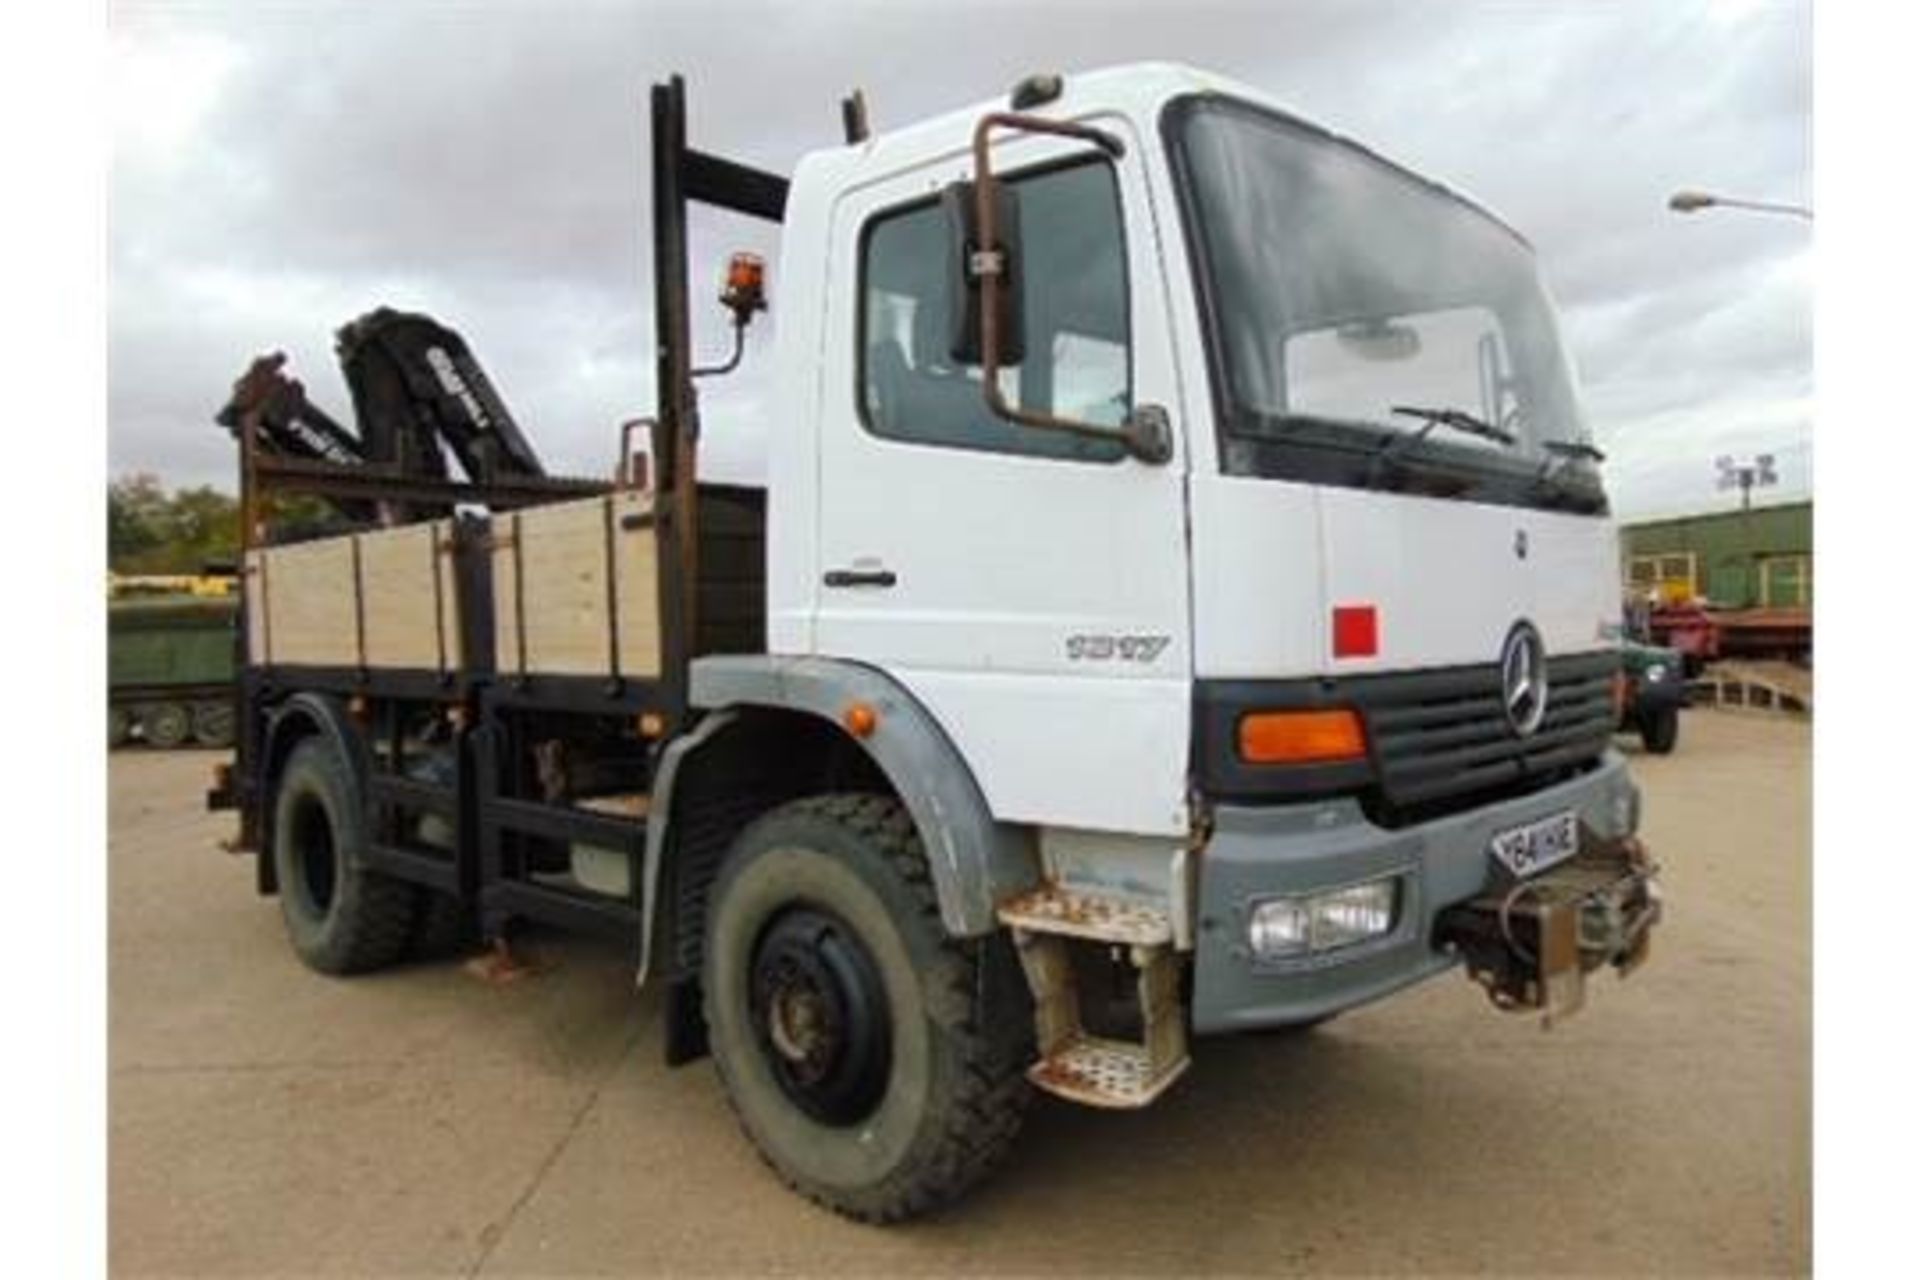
1660, 731
875, 1062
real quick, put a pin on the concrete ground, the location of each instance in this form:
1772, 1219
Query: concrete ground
266, 1120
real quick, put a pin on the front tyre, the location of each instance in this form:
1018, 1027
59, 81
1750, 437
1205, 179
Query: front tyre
341, 916
1660, 731
875, 1062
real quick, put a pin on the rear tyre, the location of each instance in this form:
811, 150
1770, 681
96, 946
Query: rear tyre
165, 725
1660, 731
213, 724
119, 727
341, 917
875, 1062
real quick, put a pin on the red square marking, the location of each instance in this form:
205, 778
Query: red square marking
1356, 631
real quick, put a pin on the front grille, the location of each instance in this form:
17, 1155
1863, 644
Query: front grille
1443, 734
1438, 741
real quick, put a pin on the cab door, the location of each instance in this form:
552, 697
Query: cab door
1029, 586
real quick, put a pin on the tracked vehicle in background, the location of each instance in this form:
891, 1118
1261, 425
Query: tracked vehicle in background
170, 670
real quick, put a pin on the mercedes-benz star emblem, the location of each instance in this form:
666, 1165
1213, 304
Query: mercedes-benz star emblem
1523, 679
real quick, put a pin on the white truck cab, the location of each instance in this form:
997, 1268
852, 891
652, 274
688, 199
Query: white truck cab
1064, 609
1181, 600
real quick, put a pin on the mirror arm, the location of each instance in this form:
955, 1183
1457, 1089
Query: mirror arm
1146, 434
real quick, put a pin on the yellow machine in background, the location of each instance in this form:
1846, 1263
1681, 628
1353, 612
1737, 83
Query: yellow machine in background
205, 586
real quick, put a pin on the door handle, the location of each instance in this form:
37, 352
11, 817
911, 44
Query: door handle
860, 578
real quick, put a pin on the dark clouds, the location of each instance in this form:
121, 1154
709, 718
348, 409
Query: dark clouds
280, 168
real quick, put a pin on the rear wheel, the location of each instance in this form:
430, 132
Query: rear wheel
1660, 731
341, 916
165, 725
119, 726
875, 1062
213, 724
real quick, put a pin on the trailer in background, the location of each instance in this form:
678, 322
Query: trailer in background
1704, 634
170, 670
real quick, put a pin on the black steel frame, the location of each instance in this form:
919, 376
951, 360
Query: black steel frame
493, 804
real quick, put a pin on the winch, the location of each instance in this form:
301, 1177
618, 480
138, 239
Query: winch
1531, 942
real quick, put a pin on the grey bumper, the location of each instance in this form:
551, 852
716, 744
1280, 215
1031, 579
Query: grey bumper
1261, 853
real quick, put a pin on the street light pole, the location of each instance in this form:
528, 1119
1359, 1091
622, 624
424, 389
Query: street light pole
1746, 476
1694, 201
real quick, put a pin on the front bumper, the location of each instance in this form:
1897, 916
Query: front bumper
1259, 853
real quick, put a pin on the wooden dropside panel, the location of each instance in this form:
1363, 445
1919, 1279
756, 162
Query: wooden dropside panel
309, 603
560, 554
551, 590
403, 610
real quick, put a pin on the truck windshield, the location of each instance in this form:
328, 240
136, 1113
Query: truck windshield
1337, 287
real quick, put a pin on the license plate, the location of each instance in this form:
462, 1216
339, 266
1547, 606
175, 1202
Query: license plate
1538, 845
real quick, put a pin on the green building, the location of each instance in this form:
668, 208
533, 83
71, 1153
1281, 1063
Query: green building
1762, 558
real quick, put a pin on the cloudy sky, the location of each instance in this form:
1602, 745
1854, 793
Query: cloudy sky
280, 168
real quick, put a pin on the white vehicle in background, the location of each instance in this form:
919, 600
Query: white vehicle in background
1182, 601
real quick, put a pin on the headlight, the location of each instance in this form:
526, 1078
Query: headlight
1280, 928
1656, 673
1312, 923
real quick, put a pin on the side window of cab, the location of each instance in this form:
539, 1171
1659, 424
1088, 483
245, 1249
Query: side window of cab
1073, 278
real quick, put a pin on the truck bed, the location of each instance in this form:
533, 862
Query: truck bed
566, 589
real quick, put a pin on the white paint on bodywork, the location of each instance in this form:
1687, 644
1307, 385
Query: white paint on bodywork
1272, 560
1002, 560
1148, 870
1041, 746
1039, 606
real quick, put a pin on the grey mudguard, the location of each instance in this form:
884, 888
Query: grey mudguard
659, 819
975, 860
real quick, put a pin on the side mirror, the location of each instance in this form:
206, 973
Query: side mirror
968, 260
986, 320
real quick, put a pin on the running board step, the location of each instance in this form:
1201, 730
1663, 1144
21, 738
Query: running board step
1114, 1074
1074, 1064
1056, 910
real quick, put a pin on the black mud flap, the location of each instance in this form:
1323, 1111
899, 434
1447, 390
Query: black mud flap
1531, 943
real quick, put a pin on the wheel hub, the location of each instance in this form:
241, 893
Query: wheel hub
820, 1013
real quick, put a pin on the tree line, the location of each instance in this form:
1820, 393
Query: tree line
155, 530
151, 529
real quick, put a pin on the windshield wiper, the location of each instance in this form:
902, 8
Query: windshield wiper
1458, 419
1552, 476
1574, 449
